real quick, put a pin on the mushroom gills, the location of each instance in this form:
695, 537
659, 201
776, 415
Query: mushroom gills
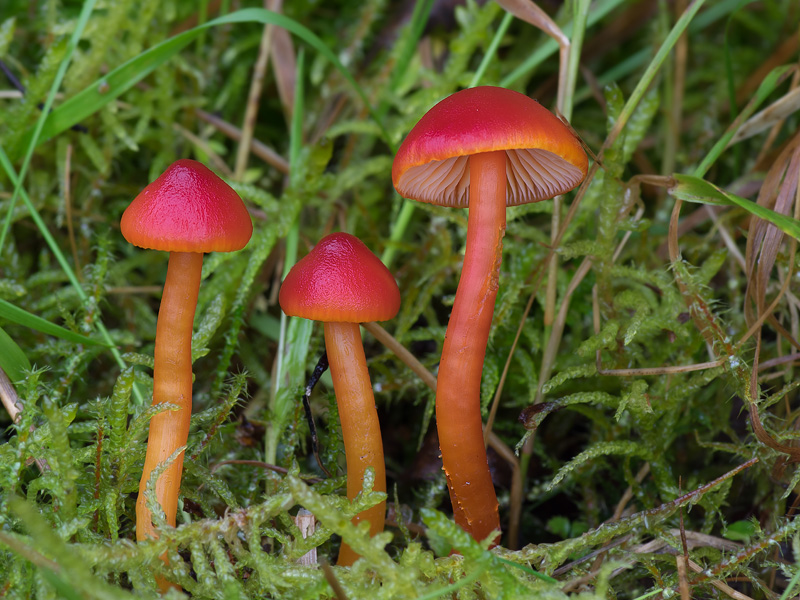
446, 181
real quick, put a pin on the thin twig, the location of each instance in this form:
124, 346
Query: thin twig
14, 407
683, 582
400, 351
68, 211
322, 366
720, 585
263, 465
215, 158
330, 577
646, 370
136, 289
8, 395
730, 244
260, 149
254, 96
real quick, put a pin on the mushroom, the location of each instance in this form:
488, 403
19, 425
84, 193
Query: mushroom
341, 283
187, 211
484, 148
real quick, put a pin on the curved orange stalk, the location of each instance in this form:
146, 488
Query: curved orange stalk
458, 401
361, 431
172, 382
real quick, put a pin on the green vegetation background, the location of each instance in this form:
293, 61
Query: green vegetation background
661, 390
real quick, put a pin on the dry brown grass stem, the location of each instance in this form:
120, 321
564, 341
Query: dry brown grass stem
284, 65
215, 159
401, 352
771, 116
683, 582
136, 289
254, 95
780, 360
261, 150
766, 147
773, 305
330, 577
730, 244
781, 189
8, 395
429, 379
675, 112
785, 53
720, 585
529, 12
628, 494
14, 407
642, 371
68, 211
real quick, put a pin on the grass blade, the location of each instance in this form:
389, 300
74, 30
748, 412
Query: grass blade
65, 266
124, 77
12, 359
23, 317
695, 189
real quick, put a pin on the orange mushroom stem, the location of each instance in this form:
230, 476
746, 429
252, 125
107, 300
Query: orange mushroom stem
172, 383
483, 148
361, 431
459, 381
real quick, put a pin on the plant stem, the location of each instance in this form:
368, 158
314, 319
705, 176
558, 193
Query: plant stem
172, 383
458, 413
361, 430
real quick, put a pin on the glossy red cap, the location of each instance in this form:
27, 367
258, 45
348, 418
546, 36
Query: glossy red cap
187, 209
544, 158
340, 280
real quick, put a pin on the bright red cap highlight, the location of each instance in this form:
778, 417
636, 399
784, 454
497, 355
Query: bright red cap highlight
340, 280
187, 209
544, 158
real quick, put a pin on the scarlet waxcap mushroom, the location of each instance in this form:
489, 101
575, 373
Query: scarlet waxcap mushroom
187, 209
483, 148
341, 280
543, 158
342, 283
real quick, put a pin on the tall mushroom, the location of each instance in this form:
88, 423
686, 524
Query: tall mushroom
484, 148
341, 283
187, 211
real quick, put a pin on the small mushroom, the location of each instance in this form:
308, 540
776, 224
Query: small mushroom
341, 283
484, 148
187, 211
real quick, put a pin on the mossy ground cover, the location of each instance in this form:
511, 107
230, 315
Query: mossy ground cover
640, 371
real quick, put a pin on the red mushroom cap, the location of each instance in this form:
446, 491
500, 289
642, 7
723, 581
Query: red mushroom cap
544, 157
187, 209
340, 280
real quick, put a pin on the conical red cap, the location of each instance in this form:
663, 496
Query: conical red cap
340, 280
187, 209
